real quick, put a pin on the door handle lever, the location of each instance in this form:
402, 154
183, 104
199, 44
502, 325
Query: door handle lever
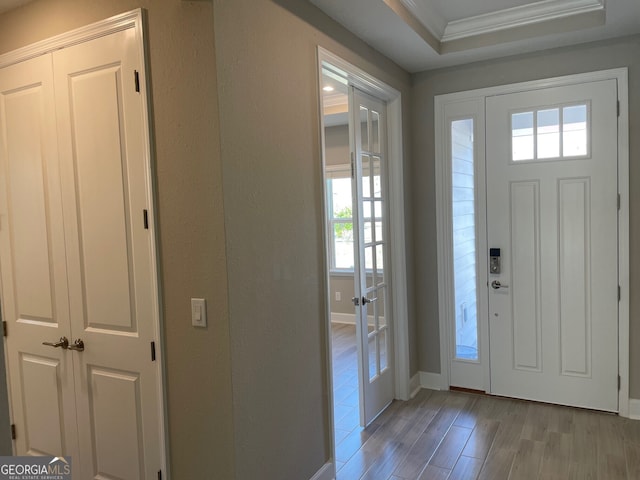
64, 343
366, 300
497, 285
78, 345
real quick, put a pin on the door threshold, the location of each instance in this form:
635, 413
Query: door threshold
467, 390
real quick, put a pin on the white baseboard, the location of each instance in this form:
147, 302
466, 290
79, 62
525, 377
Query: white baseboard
327, 472
432, 381
414, 384
348, 318
634, 409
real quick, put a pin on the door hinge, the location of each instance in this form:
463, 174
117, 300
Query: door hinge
618, 108
153, 351
159, 474
353, 167
619, 201
13, 431
619, 381
145, 219
4, 328
619, 293
136, 79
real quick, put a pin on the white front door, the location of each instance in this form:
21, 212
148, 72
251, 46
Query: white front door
552, 211
373, 311
77, 259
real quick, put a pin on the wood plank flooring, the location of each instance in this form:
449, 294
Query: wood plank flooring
460, 436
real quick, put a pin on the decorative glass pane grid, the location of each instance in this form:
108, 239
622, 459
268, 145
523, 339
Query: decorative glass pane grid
550, 133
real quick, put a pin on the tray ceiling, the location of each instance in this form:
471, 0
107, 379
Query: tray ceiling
426, 34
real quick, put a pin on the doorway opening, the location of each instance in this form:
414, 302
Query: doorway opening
367, 320
341, 258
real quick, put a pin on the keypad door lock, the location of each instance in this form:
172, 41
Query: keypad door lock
494, 261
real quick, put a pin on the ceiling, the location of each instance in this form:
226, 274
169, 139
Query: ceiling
426, 34
6, 5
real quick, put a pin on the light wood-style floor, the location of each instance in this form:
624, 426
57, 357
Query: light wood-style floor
456, 436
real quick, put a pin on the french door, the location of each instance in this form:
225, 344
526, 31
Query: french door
372, 302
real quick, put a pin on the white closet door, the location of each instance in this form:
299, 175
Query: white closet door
106, 188
32, 263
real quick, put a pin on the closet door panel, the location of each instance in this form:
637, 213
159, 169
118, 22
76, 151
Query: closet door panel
33, 265
106, 189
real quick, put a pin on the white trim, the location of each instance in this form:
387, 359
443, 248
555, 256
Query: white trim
415, 385
381, 90
623, 241
350, 318
521, 16
429, 16
326, 472
432, 381
129, 20
634, 409
124, 21
444, 249
444, 241
619, 74
345, 318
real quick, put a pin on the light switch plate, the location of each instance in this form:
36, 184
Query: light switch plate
198, 312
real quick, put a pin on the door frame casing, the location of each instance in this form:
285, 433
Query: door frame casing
443, 220
399, 305
135, 20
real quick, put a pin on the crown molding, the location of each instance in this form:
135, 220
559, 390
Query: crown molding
538, 12
428, 16
124, 21
521, 16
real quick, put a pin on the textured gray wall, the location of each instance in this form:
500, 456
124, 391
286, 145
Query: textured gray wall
273, 199
182, 69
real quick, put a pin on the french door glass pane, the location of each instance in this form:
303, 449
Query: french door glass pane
373, 351
366, 180
364, 128
464, 239
383, 350
375, 132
